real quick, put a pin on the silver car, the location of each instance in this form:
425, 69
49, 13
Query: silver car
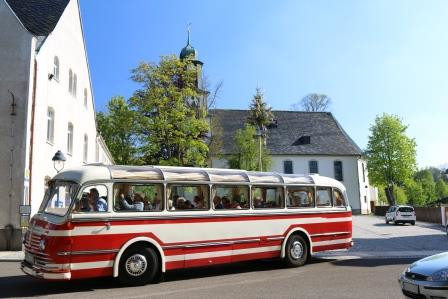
426, 278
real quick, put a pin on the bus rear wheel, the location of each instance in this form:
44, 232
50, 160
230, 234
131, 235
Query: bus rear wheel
297, 252
139, 265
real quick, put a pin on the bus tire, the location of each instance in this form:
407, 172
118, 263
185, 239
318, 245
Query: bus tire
139, 265
297, 251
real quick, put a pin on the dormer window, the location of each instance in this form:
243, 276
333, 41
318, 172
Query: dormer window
303, 140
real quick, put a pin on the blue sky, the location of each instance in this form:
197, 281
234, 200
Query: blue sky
370, 57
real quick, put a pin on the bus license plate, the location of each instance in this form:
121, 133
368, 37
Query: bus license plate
410, 288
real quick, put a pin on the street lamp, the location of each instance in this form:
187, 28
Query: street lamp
58, 161
260, 134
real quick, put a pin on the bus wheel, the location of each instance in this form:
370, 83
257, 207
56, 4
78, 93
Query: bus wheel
296, 251
139, 265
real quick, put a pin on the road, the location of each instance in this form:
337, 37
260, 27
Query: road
369, 270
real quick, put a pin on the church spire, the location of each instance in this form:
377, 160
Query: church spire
188, 51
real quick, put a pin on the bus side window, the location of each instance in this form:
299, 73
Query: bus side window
230, 197
267, 197
93, 199
323, 197
188, 197
138, 197
338, 198
300, 197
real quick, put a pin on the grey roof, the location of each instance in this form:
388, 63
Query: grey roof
326, 135
38, 16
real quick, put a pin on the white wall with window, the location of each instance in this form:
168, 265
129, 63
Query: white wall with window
70, 139
50, 125
56, 68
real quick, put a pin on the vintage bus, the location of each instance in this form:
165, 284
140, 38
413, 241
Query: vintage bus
136, 222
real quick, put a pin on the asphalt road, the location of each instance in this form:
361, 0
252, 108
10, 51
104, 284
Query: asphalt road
369, 270
322, 278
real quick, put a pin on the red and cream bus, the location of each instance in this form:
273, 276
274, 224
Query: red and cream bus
135, 223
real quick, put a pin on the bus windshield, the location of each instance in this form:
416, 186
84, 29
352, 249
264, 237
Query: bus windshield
59, 197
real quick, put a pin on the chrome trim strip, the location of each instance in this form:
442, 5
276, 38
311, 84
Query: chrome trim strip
210, 244
171, 215
330, 234
274, 238
83, 252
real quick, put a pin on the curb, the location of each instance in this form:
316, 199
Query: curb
11, 256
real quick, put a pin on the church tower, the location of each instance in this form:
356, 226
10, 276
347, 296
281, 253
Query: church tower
189, 53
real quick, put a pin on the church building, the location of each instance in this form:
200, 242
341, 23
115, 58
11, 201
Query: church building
46, 106
299, 143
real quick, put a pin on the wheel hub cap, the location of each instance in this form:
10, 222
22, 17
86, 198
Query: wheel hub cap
136, 265
296, 250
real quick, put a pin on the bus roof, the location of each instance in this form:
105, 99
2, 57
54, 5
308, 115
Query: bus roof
92, 172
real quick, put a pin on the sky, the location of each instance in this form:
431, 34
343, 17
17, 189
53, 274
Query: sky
369, 57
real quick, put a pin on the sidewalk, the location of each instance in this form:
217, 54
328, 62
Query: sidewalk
11, 256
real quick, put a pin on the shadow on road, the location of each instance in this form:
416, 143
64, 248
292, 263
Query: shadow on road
25, 286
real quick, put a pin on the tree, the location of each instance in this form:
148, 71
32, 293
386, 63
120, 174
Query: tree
441, 189
426, 179
170, 120
414, 192
260, 116
118, 128
247, 151
390, 153
313, 102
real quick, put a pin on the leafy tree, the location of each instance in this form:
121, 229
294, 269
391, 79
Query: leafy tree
313, 102
414, 192
441, 189
400, 195
247, 151
170, 120
260, 116
390, 153
425, 178
118, 128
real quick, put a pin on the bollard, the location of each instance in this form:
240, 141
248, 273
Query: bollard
9, 232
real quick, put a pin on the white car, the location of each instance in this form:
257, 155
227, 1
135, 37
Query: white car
400, 214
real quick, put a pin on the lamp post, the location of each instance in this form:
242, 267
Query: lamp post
58, 161
260, 134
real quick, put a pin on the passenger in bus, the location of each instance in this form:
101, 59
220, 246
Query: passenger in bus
96, 203
136, 205
182, 203
217, 203
170, 205
226, 202
156, 205
199, 202
258, 202
175, 199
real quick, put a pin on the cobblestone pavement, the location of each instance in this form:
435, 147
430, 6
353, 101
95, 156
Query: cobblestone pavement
373, 238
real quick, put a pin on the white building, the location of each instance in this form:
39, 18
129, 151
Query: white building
46, 104
305, 142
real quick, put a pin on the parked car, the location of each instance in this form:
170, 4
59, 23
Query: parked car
401, 214
426, 278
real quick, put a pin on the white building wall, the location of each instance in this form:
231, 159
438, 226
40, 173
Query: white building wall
352, 176
67, 43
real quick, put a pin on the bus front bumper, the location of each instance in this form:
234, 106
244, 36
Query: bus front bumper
40, 273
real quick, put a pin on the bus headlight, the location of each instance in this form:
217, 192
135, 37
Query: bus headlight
42, 245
